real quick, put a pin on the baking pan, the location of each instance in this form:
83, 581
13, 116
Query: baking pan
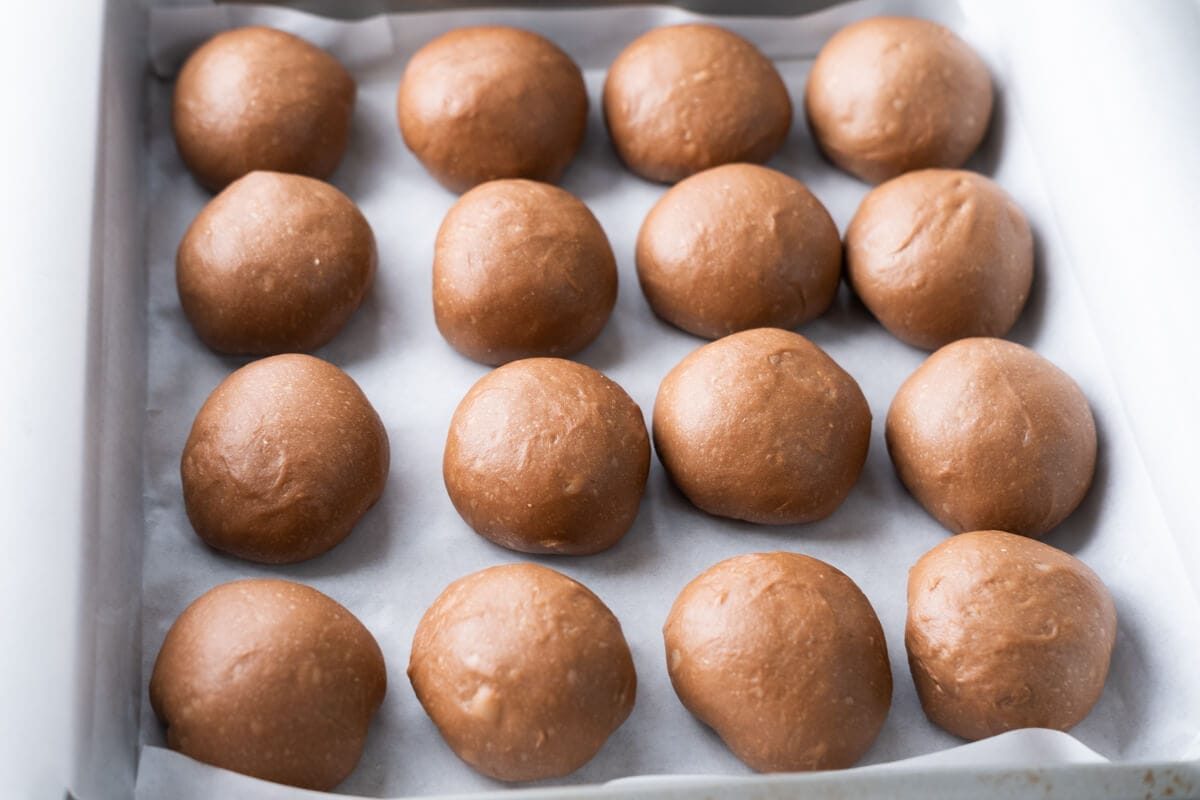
107, 658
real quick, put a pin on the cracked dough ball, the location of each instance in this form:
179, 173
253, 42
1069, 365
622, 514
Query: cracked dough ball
271, 679
524, 671
274, 264
988, 435
762, 426
683, 98
521, 269
547, 456
261, 99
477, 104
783, 656
892, 94
284, 458
939, 255
735, 247
1005, 632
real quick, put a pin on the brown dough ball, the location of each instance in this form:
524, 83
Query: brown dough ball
547, 456
477, 104
275, 263
987, 434
892, 94
939, 255
271, 679
258, 98
521, 269
283, 459
1005, 632
762, 426
524, 671
783, 656
683, 98
738, 247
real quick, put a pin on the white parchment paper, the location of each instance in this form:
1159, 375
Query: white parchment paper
413, 543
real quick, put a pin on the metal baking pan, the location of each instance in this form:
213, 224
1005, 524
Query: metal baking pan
79, 736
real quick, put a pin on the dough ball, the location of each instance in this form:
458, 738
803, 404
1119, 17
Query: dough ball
271, 679
524, 671
762, 426
261, 99
283, 459
521, 269
275, 263
736, 247
477, 104
892, 94
783, 656
939, 255
683, 98
547, 456
987, 434
1005, 632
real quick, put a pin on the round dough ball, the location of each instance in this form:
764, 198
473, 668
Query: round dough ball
477, 104
939, 255
271, 679
1005, 632
275, 263
258, 98
547, 456
783, 656
521, 269
524, 671
762, 426
283, 459
683, 98
987, 434
736, 247
892, 94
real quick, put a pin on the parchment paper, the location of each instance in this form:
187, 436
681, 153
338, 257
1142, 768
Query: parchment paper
413, 543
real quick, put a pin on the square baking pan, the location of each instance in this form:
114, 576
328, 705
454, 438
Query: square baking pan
1124, 203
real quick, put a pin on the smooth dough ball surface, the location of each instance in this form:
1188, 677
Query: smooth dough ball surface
477, 104
284, 457
521, 269
683, 98
783, 656
547, 456
271, 679
889, 95
524, 672
261, 99
275, 263
989, 435
939, 255
762, 426
1005, 632
736, 247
